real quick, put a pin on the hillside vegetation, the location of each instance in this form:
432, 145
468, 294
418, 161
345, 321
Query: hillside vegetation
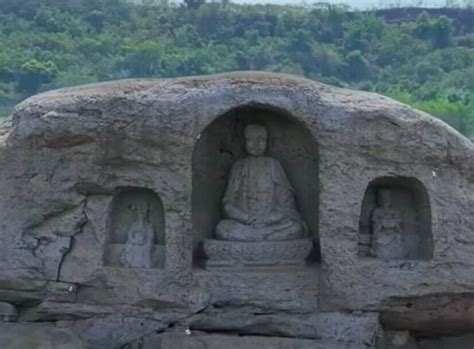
425, 60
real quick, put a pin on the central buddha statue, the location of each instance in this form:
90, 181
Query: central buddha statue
258, 204
261, 225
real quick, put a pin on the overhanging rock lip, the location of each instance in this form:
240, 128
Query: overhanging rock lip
230, 90
239, 79
252, 77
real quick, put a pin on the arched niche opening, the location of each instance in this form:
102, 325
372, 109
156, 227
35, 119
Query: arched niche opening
221, 144
395, 221
135, 229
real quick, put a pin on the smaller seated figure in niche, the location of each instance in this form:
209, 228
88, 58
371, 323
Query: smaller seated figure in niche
8, 312
386, 228
138, 249
258, 204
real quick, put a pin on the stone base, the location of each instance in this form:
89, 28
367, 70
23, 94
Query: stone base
260, 266
236, 254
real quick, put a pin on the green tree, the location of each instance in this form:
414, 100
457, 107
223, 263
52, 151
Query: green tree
96, 19
437, 30
34, 73
358, 67
143, 59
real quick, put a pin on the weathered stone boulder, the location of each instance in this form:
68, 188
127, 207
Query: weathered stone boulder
108, 192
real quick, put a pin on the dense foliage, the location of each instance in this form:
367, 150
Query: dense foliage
425, 61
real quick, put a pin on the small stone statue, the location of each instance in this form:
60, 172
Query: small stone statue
258, 204
386, 229
8, 312
137, 252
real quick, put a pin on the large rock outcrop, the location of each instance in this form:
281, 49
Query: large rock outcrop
78, 164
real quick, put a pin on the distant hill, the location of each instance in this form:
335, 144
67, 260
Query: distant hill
423, 57
463, 18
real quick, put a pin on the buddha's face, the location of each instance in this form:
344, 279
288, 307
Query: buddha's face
255, 140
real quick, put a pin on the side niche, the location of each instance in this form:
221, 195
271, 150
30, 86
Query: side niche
395, 221
135, 230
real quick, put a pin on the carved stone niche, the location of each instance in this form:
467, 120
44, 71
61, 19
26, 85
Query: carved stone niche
135, 230
395, 221
290, 158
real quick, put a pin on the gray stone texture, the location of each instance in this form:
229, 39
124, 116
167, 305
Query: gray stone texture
68, 152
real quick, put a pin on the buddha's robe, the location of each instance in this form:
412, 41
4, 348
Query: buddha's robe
259, 204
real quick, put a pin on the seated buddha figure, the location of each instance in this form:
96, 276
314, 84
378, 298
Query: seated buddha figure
138, 249
386, 228
258, 204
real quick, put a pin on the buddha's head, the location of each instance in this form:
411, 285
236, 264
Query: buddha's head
384, 197
255, 139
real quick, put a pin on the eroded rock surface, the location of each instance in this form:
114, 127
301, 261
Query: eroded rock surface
108, 192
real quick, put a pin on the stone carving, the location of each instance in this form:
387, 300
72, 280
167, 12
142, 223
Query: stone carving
395, 220
136, 230
386, 228
261, 224
258, 204
138, 248
8, 312
69, 149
